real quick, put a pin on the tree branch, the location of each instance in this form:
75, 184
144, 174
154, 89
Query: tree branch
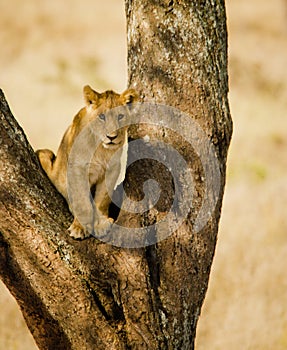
95, 292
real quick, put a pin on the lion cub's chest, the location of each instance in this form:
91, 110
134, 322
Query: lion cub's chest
110, 165
99, 166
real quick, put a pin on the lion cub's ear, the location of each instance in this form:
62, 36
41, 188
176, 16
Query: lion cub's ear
129, 96
90, 95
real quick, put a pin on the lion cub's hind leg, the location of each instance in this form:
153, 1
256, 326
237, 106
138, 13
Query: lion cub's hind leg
46, 158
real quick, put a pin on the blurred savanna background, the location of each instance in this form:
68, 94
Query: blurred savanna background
50, 49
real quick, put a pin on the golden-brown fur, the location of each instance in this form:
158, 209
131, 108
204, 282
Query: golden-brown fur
105, 139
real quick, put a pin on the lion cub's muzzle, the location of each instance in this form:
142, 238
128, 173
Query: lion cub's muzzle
112, 139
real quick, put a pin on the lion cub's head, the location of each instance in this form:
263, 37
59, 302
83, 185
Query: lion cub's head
110, 114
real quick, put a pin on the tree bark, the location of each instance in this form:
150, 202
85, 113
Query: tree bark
92, 295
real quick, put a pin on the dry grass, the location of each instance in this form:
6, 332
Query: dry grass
49, 51
246, 304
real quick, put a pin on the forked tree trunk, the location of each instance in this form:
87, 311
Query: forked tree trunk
92, 295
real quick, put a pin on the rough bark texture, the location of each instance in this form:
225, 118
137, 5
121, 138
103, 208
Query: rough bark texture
185, 67
91, 295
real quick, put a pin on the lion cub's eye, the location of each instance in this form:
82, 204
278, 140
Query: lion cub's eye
120, 116
102, 116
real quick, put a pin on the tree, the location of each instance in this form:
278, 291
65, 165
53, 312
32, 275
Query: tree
92, 295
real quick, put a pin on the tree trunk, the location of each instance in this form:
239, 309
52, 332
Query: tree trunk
93, 295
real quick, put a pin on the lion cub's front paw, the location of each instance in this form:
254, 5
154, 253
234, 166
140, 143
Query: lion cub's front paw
103, 227
77, 231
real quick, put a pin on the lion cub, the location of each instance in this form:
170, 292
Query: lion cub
92, 158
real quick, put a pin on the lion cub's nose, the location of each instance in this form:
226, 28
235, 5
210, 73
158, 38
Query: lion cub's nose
111, 137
